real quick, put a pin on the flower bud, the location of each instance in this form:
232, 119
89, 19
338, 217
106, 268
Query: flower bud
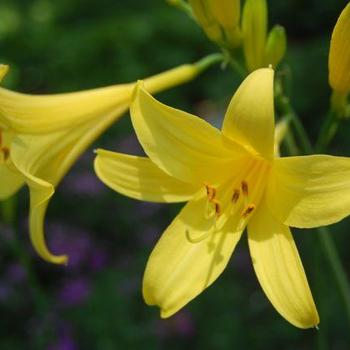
219, 20
339, 54
254, 28
276, 46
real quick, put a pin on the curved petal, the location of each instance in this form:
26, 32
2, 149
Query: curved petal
310, 191
139, 178
182, 145
43, 160
37, 114
178, 270
249, 119
279, 269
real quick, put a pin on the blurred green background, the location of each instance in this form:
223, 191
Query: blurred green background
96, 302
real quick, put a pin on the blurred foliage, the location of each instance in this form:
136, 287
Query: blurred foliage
95, 302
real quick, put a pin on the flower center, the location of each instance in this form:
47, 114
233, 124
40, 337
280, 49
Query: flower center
236, 200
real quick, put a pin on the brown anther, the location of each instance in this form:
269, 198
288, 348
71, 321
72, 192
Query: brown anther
244, 187
6, 152
248, 210
211, 192
235, 196
217, 207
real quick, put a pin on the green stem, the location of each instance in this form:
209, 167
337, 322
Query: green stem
329, 247
291, 144
285, 108
326, 240
208, 61
181, 5
327, 132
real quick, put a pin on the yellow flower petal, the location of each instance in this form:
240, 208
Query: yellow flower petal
182, 145
139, 178
44, 160
310, 191
249, 118
38, 114
279, 269
178, 270
339, 54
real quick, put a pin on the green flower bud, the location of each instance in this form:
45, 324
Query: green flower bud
276, 46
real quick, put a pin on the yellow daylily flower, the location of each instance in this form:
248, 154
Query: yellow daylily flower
41, 160
339, 54
231, 179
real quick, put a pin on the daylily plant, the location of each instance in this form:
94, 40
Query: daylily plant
42, 136
231, 180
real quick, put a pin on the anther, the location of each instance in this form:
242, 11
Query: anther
217, 207
244, 186
211, 192
235, 196
6, 152
248, 210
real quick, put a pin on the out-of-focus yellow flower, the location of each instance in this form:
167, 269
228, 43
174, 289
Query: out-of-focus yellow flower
231, 180
219, 20
41, 158
261, 50
339, 54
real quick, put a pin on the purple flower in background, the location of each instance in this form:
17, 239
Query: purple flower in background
65, 341
74, 292
98, 259
16, 273
75, 243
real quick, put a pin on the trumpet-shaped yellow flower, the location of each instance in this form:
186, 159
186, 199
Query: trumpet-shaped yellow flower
231, 179
339, 54
41, 159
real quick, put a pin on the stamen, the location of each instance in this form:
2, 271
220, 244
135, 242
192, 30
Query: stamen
6, 152
235, 196
217, 207
248, 210
211, 192
244, 186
